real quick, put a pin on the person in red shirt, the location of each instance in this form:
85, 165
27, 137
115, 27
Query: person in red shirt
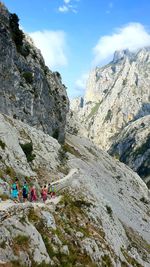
33, 195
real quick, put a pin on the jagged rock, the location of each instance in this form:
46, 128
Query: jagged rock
100, 197
103, 199
116, 95
19, 239
29, 91
65, 250
132, 147
50, 221
43, 153
77, 103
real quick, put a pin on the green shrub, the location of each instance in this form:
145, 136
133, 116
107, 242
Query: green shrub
10, 171
4, 197
70, 149
17, 34
109, 210
28, 77
108, 116
3, 244
33, 216
94, 110
28, 149
2, 144
106, 261
22, 240
25, 50
124, 82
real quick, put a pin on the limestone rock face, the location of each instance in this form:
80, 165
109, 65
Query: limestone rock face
29, 91
101, 215
116, 95
132, 147
25, 149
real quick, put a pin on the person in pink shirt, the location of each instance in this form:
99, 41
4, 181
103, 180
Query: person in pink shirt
33, 194
44, 193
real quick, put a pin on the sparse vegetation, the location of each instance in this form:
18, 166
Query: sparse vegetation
132, 261
91, 150
3, 244
28, 77
2, 144
22, 240
33, 216
68, 148
17, 34
108, 116
109, 210
4, 197
106, 261
28, 149
116, 156
10, 171
124, 82
94, 110
137, 242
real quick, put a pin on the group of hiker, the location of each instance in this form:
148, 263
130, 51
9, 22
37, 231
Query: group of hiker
30, 194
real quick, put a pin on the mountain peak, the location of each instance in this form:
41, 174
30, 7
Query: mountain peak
121, 55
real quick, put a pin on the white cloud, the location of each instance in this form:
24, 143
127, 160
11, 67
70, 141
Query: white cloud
68, 7
63, 9
133, 36
67, 1
52, 45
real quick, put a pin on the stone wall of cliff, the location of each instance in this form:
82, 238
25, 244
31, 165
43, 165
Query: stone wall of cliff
29, 91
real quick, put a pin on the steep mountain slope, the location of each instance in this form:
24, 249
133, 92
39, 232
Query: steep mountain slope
116, 95
29, 91
132, 147
102, 217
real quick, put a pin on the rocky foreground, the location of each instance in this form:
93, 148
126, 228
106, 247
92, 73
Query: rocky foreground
101, 216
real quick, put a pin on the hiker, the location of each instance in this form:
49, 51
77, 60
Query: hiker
25, 191
15, 191
44, 193
33, 196
52, 191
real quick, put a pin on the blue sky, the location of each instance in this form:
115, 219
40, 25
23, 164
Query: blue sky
77, 35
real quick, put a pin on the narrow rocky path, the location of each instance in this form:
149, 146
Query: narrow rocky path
60, 184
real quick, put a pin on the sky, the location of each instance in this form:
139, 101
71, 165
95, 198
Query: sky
75, 36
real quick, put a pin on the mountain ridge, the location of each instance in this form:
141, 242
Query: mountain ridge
29, 91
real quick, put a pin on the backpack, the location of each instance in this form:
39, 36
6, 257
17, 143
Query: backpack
24, 191
53, 188
14, 186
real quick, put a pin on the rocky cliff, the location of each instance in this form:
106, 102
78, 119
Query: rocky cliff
100, 216
117, 94
116, 105
29, 91
132, 147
